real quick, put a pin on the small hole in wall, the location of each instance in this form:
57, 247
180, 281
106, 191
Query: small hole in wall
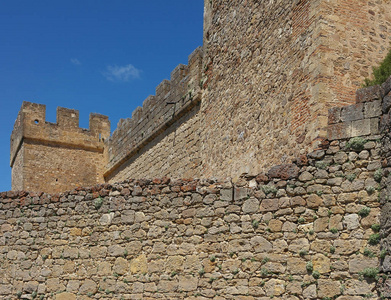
56, 179
36, 121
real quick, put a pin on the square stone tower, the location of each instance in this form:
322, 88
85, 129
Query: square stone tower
53, 157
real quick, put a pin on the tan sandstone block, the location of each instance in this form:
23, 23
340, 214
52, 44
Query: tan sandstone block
66, 296
139, 264
321, 263
275, 225
328, 288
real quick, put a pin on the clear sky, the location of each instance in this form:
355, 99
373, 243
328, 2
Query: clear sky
103, 56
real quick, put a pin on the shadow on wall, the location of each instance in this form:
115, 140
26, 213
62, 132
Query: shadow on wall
176, 150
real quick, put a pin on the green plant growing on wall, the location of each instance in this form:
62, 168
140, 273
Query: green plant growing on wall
351, 177
264, 272
356, 143
370, 189
98, 202
303, 252
364, 212
267, 189
322, 165
368, 253
316, 274
378, 175
374, 239
380, 73
375, 227
309, 266
370, 273
333, 230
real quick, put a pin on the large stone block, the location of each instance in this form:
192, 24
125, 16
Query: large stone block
368, 94
352, 112
339, 131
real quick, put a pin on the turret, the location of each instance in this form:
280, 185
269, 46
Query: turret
53, 157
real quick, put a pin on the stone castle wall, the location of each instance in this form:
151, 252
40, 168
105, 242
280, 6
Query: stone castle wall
304, 230
257, 93
274, 68
54, 157
268, 74
162, 137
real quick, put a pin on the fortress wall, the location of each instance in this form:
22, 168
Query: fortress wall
55, 168
301, 230
17, 170
264, 237
162, 137
53, 157
355, 37
272, 70
175, 153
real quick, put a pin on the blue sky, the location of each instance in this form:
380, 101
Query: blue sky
91, 55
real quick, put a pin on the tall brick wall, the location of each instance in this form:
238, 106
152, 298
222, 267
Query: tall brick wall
54, 157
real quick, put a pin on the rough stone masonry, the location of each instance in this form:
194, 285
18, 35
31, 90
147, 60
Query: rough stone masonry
314, 229
270, 84
256, 93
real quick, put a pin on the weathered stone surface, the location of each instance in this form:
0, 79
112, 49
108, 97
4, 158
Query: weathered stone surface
106, 219
274, 287
187, 283
352, 112
139, 264
65, 296
314, 201
260, 244
358, 287
88, 286
285, 172
368, 94
321, 263
310, 292
269, 205
358, 264
296, 266
54, 285
317, 154
115, 250
328, 288
351, 221
121, 266
251, 206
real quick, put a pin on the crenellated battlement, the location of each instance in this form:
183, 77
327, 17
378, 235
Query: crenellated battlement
41, 149
173, 98
31, 124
